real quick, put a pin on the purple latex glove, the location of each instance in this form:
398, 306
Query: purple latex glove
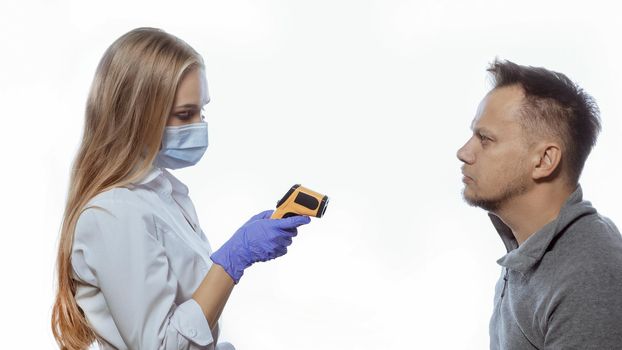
259, 239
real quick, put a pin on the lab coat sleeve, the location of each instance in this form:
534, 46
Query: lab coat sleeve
116, 249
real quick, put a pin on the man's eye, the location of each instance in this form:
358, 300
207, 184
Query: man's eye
483, 138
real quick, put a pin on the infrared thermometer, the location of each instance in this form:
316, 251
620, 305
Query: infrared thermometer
300, 201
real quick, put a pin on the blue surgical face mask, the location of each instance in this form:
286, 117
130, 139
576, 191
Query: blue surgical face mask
182, 146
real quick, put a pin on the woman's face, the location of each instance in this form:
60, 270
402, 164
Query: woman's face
190, 98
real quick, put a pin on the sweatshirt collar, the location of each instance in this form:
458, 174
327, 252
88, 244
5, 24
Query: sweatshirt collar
522, 258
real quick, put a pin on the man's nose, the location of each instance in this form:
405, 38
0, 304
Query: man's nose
465, 155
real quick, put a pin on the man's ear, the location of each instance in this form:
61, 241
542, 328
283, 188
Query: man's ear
547, 159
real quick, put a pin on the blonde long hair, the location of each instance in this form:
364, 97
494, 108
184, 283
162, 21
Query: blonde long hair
129, 102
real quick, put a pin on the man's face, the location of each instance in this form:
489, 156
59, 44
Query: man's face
495, 167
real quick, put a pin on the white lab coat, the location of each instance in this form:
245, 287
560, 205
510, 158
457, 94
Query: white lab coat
138, 255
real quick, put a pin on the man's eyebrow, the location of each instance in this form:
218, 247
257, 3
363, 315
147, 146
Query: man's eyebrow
482, 130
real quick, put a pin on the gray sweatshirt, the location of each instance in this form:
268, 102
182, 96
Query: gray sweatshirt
561, 288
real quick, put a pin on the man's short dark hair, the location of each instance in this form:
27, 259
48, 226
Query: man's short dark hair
555, 106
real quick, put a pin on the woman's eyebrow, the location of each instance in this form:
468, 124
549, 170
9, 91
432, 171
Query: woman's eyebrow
188, 105
191, 105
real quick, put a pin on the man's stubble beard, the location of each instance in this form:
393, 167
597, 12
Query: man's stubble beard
512, 189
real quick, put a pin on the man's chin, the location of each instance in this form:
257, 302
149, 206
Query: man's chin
479, 202
468, 196
471, 201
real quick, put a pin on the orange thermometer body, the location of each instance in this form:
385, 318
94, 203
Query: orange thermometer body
300, 201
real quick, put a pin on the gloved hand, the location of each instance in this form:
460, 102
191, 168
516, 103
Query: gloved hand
259, 239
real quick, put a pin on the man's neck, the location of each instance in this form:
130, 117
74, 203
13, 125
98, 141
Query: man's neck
529, 212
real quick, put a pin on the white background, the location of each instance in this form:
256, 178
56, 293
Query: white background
365, 101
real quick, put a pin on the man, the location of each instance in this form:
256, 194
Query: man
561, 281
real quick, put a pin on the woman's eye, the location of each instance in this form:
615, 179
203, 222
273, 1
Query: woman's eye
184, 115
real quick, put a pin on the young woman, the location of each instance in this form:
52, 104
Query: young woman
135, 270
